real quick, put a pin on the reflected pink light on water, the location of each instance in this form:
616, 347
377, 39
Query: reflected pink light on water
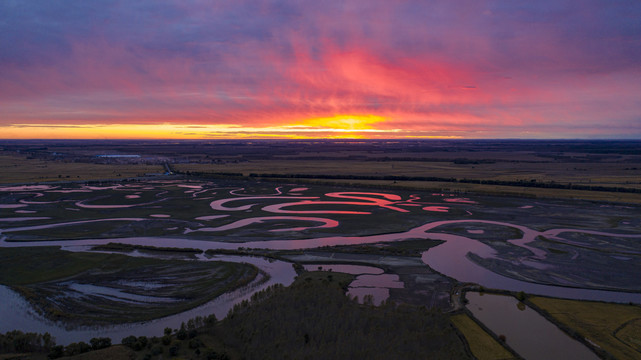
82, 204
220, 204
437, 208
11, 206
367, 199
298, 189
327, 223
371, 201
27, 188
277, 208
461, 200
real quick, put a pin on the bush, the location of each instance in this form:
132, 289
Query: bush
156, 350
212, 355
210, 320
77, 348
56, 352
195, 343
129, 341
181, 334
173, 351
166, 340
100, 343
142, 341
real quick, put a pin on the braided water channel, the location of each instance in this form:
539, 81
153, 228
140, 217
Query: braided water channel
453, 258
449, 258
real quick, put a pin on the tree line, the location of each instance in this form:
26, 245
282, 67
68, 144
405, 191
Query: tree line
520, 182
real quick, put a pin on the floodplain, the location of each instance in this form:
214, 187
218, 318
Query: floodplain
419, 246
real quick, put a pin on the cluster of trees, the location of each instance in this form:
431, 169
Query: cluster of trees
79, 347
183, 342
314, 319
20, 342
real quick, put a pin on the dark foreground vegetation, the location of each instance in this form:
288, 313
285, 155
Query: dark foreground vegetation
311, 319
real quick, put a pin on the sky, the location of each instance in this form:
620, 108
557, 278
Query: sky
320, 69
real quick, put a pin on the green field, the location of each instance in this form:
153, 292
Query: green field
483, 346
348, 168
607, 174
612, 327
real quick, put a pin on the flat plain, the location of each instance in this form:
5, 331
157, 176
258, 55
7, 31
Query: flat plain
532, 215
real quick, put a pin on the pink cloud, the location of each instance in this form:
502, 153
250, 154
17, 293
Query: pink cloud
486, 69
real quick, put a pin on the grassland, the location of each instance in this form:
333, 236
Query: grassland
606, 164
30, 265
117, 352
606, 174
617, 176
483, 346
18, 169
500, 190
612, 327
46, 276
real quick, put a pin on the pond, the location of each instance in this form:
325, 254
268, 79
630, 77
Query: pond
369, 281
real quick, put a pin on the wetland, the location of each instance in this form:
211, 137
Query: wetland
120, 257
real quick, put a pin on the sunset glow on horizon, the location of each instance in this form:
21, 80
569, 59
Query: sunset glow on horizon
308, 69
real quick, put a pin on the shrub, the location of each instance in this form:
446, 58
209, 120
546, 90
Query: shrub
100, 343
156, 350
56, 352
181, 334
166, 340
129, 341
173, 351
195, 343
77, 348
142, 340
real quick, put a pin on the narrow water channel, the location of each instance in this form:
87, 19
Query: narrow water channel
526, 331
